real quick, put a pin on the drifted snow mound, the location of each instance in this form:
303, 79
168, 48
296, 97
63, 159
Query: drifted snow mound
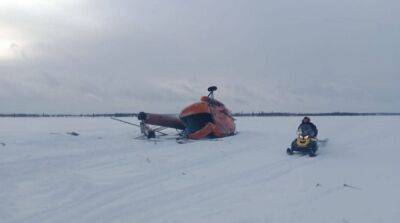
104, 175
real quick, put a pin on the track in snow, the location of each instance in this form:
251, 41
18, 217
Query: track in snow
104, 175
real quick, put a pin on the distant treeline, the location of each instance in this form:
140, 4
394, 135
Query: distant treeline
262, 114
70, 115
240, 114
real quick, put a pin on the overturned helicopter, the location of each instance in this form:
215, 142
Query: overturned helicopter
207, 118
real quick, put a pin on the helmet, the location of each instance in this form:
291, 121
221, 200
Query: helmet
306, 120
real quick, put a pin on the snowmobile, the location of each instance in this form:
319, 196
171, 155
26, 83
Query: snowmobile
207, 118
304, 144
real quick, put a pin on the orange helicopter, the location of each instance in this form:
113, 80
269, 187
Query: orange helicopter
207, 118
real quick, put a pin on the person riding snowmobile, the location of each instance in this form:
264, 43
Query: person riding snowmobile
306, 142
308, 128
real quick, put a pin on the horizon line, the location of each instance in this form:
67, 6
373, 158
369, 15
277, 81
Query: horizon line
237, 114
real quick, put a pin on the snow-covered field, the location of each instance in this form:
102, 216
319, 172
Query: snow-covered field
104, 175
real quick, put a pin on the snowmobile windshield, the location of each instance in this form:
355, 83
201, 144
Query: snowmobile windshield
306, 130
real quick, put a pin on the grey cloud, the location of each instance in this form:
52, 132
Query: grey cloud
107, 56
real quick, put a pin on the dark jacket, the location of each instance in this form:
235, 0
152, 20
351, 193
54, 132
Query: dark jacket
308, 129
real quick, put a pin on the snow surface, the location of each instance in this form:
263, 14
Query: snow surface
104, 175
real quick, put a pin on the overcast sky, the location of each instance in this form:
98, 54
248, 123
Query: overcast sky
158, 56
